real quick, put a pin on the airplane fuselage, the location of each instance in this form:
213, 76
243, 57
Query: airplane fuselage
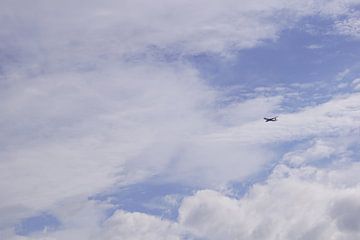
270, 119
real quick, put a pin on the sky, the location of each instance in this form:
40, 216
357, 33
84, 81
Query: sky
144, 120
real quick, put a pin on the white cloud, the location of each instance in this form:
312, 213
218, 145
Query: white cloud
81, 31
78, 217
249, 110
121, 225
83, 110
306, 202
319, 149
302, 203
334, 117
137, 226
341, 75
75, 137
69, 136
314, 46
213, 164
349, 26
356, 84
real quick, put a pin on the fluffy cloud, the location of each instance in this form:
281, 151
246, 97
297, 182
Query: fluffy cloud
304, 203
136, 226
301, 203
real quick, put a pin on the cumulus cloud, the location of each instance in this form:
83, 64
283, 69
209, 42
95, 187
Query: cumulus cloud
300, 203
133, 226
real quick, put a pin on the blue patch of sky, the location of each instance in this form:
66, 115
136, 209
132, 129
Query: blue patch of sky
240, 188
38, 223
147, 197
355, 152
305, 61
287, 60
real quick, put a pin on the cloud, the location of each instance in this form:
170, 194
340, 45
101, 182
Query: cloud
306, 202
334, 117
68, 34
72, 135
341, 75
249, 110
264, 211
356, 84
214, 164
303, 203
314, 46
90, 100
349, 26
121, 225
79, 219
69, 135
133, 226
319, 150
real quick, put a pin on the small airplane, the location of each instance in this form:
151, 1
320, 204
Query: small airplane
273, 119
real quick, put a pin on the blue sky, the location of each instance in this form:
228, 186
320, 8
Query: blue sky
138, 120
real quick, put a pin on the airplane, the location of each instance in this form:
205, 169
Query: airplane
273, 119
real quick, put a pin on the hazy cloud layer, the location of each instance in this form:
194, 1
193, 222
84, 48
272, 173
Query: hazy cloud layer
59, 34
93, 97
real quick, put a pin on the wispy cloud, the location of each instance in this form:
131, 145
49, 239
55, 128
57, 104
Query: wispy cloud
349, 26
95, 97
314, 46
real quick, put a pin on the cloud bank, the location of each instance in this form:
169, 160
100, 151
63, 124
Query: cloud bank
94, 97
